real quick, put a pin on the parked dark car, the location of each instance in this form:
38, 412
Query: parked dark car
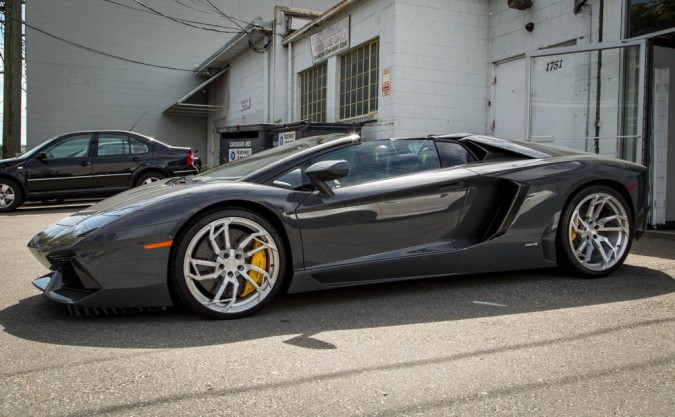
333, 211
89, 164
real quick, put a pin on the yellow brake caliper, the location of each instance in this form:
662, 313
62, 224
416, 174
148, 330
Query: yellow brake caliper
259, 259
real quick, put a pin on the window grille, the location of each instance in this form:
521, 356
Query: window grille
313, 94
359, 70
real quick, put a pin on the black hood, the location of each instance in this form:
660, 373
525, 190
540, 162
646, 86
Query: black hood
12, 162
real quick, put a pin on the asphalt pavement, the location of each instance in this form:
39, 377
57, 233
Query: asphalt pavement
528, 343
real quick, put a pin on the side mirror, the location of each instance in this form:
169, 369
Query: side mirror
42, 156
324, 171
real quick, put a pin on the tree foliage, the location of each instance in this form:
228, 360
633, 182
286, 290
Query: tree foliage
651, 16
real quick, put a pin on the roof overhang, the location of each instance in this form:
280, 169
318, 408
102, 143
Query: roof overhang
192, 104
342, 5
184, 106
250, 35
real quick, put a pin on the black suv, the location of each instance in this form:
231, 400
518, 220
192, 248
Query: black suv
89, 164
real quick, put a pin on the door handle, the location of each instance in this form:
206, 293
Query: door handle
85, 163
135, 159
451, 187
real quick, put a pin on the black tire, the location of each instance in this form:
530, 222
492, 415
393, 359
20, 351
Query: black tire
11, 195
148, 178
595, 233
228, 263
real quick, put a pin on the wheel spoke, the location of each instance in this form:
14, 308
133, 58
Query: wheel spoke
606, 257
262, 246
612, 229
265, 275
221, 289
198, 276
580, 250
247, 277
214, 231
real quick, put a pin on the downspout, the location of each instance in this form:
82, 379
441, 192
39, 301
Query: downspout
289, 101
266, 86
588, 83
598, 79
276, 59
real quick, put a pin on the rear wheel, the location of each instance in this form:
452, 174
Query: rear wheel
595, 233
149, 178
228, 264
11, 195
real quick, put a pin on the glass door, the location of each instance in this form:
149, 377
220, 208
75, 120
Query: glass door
589, 98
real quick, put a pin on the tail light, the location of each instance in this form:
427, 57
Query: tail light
190, 159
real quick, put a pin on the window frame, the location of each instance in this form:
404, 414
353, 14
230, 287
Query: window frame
313, 97
359, 81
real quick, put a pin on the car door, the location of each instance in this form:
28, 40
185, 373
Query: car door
116, 157
63, 167
393, 204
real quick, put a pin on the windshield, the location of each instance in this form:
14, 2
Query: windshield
243, 167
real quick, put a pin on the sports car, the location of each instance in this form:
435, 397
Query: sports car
335, 210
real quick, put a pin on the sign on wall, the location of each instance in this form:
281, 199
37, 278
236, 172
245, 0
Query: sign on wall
386, 81
331, 41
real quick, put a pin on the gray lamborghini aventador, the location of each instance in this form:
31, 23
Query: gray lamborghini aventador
332, 211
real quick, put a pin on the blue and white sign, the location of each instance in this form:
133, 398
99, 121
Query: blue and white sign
239, 153
286, 137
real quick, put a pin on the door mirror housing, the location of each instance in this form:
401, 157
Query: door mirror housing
323, 171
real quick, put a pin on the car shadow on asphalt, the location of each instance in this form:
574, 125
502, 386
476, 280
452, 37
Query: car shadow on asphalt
301, 316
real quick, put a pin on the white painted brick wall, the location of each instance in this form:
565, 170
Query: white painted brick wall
438, 55
554, 24
246, 82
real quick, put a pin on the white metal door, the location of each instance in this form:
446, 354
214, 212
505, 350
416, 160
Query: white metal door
659, 166
510, 98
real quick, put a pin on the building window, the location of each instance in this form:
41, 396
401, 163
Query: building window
359, 70
313, 94
649, 16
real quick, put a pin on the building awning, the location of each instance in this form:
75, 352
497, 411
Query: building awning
194, 103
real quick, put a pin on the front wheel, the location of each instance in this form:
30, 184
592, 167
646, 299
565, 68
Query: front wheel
595, 233
228, 264
11, 195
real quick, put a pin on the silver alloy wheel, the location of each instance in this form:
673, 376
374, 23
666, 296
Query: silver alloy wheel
150, 180
599, 231
7, 195
231, 265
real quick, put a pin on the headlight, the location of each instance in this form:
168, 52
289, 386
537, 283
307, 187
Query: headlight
96, 221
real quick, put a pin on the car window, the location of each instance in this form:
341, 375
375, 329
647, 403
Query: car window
138, 147
113, 144
294, 179
453, 154
381, 159
71, 147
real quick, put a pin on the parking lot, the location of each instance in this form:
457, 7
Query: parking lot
518, 343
